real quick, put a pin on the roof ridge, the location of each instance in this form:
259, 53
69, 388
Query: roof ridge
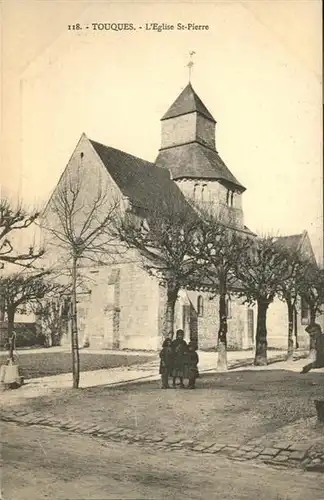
291, 235
199, 103
223, 164
121, 151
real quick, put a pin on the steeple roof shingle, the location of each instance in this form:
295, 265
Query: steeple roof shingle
188, 102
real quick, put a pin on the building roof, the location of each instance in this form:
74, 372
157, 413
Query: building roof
146, 185
299, 242
188, 102
291, 242
196, 161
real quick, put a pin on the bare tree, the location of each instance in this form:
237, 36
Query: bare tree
78, 219
289, 288
13, 219
165, 238
50, 311
219, 247
260, 272
24, 288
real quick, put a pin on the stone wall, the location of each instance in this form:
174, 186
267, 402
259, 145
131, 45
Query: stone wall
239, 335
212, 195
178, 130
123, 311
277, 326
205, 131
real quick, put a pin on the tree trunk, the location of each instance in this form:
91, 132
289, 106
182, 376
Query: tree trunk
2, 306
11, 310
312, 314
312, 337
222, 334
55, 339
290, 349
74, 329
261, 343
296, 327
172, 295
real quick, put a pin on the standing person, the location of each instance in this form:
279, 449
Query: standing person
180, 349
193, 360
12, 345
315, 331
166, 359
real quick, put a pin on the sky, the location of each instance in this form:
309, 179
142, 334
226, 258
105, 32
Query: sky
257, 69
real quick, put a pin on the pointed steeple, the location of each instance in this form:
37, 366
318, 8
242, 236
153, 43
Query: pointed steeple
188, 102
188, 146
188, 120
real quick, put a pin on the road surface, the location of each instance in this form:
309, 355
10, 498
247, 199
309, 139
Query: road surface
40, 463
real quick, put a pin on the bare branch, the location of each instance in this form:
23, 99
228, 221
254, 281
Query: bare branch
11, 220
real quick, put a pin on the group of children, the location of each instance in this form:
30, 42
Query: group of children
179, 360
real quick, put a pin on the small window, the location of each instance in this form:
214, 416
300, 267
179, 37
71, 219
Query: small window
228, 305
230, 198
195, 191
200, 306
203, 192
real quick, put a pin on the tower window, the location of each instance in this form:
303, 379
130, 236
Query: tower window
195, 191
230, 198
203, 191
200, 306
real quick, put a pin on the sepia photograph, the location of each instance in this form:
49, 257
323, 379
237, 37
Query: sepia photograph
161, 250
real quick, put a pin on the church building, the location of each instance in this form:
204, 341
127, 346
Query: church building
122, 306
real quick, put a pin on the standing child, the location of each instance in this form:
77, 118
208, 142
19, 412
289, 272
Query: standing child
193, 360
166, 358
179, 349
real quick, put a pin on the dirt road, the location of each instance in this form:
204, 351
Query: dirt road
42, 464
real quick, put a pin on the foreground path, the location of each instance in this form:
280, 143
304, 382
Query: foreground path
47, 464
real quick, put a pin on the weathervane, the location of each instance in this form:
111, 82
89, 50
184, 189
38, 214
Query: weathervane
190, 63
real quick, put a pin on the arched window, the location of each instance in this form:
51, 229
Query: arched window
228, 305
230, 198
195, 191
200, 306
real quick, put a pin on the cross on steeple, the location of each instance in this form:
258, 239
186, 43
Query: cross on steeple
190, 63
